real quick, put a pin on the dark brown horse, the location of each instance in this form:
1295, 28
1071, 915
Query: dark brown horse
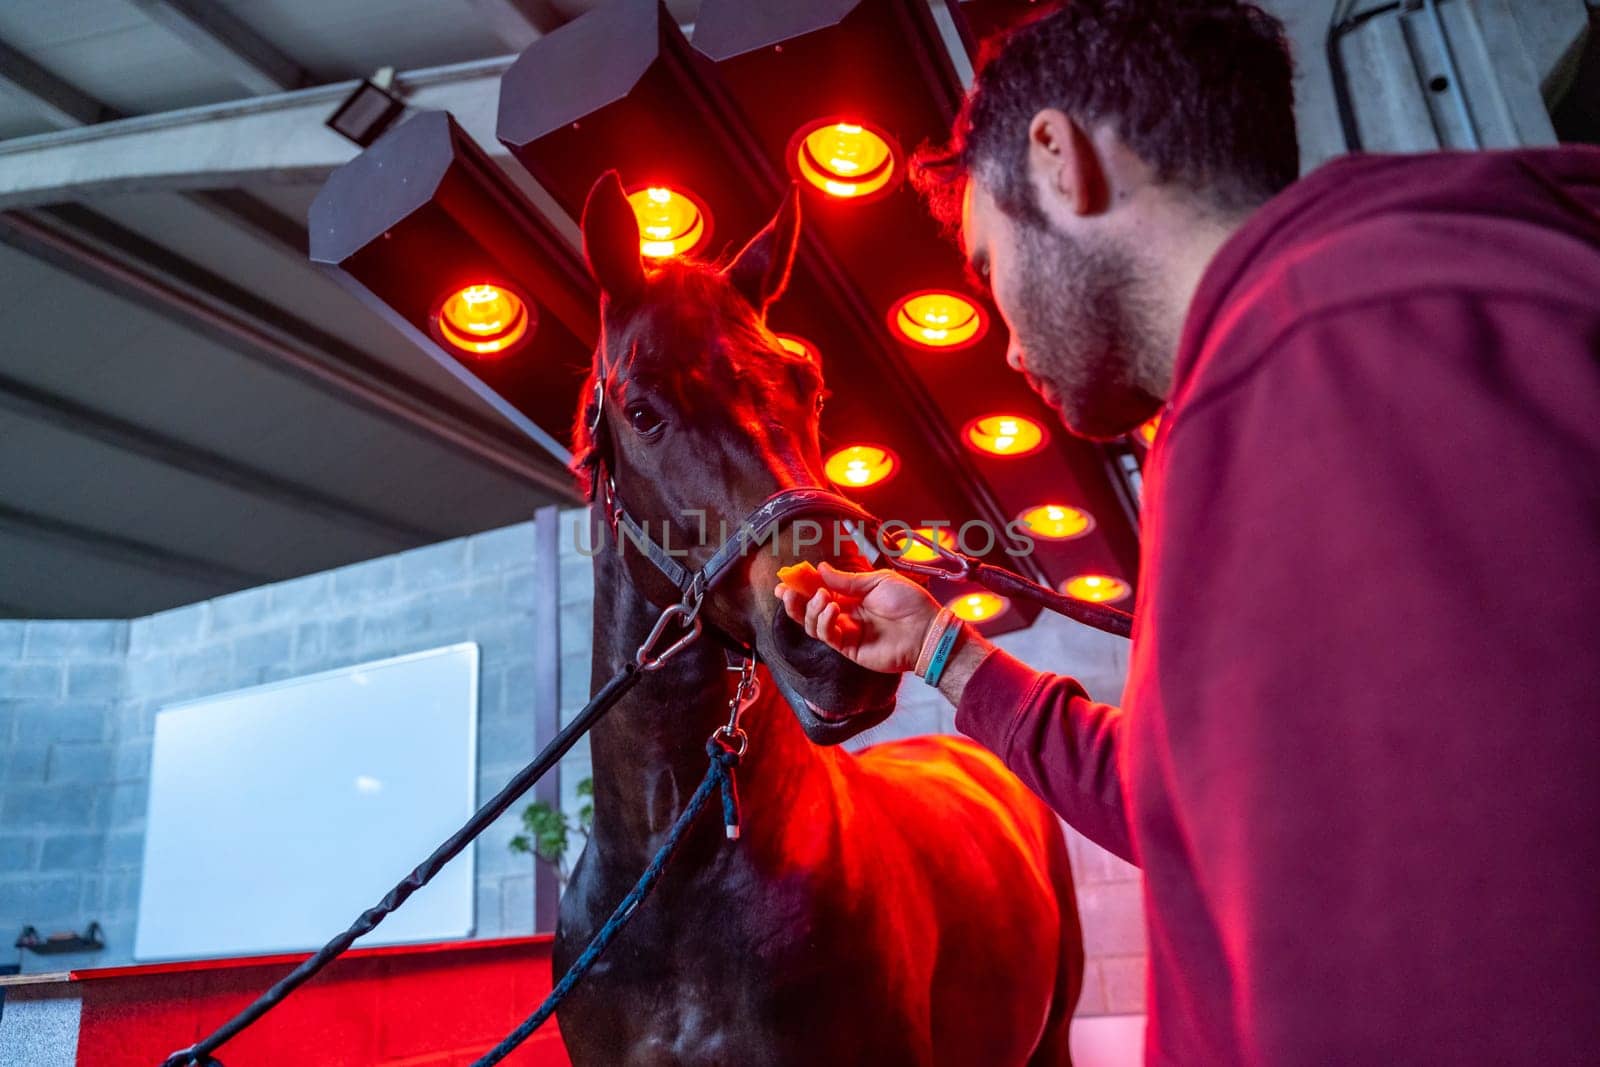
908, 905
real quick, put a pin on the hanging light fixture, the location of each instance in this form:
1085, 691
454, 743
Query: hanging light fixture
671, 222
1005, 435
938, 318
847, 160
979, 607
1057, 522
1096, 588
910, 549
858, 466
483, 320
799, 346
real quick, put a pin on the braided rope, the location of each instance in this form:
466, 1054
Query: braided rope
719, 776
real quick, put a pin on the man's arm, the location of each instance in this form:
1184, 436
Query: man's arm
1059, 742
1044, 726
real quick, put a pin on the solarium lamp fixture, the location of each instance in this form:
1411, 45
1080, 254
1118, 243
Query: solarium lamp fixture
846, 159
858, 466
1004, 435
483, 320
671, 221
937, 319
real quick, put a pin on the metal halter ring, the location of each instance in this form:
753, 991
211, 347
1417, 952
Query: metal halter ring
645, 660
734, 739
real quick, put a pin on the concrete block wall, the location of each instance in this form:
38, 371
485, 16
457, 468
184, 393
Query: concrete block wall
61, 685
575, 634
78, 704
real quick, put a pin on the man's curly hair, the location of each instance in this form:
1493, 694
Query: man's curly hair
1199, 89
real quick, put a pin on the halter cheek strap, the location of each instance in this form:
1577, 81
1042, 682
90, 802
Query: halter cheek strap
693, 585
754, 530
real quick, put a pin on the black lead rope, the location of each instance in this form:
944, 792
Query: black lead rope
957, 566
199, 1055
1099, 616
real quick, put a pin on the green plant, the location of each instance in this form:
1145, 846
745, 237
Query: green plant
547, 830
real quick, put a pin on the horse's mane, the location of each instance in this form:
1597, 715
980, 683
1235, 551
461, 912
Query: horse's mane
688, 283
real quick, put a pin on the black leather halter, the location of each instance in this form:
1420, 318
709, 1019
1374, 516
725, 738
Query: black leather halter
694, 585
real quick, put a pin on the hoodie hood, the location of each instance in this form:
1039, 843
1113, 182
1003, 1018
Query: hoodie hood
1362, 226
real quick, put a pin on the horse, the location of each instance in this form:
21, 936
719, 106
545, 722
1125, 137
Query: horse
909, 904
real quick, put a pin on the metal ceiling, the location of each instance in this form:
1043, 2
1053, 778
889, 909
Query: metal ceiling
186, 406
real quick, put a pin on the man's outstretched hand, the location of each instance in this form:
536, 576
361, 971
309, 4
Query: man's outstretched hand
878, 619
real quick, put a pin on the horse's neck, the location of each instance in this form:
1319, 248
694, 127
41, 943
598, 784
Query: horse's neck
649, 752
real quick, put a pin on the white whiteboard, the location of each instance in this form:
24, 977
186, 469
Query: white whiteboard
279, 813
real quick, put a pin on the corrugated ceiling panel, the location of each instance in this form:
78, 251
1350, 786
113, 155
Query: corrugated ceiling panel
50, 472
277, 275
352, 38
71, 339
106, 49
44, 580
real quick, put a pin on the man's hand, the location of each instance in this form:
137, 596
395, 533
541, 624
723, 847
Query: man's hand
878, 619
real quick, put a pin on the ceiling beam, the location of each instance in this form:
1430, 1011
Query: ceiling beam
263, 139
227, 41
62, 105
260, 219
517, 23
67, 107
74, 417
94, 249
61, 534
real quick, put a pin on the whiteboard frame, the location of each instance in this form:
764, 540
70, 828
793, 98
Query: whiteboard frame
266, 688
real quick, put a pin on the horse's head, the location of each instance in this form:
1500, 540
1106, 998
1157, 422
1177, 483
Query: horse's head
704, 413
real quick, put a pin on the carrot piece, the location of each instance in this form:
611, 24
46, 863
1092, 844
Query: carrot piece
802, 576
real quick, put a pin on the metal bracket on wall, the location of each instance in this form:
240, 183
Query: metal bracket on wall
1417, 75
91, 940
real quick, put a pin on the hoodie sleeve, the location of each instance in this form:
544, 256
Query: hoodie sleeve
1059, 742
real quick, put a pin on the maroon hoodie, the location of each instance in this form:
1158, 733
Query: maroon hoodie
1359, 758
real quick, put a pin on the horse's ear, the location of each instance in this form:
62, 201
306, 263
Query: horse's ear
611, 240
761, 270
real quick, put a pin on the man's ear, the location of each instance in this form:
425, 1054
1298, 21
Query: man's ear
761, 269
1063, 159
611, 240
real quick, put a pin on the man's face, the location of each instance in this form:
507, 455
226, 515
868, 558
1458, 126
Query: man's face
1079, 328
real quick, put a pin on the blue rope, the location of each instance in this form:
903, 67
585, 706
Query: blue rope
718, 776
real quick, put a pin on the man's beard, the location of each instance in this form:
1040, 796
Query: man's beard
1085, 331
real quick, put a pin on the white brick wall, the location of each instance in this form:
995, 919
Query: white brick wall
78, 699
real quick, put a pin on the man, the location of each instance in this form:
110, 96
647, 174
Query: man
1359, 760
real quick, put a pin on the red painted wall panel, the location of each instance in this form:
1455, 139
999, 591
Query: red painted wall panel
430, 1006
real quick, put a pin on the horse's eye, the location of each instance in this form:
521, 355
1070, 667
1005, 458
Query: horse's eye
645, 422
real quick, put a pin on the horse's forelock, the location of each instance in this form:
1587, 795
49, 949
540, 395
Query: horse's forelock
701, 285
